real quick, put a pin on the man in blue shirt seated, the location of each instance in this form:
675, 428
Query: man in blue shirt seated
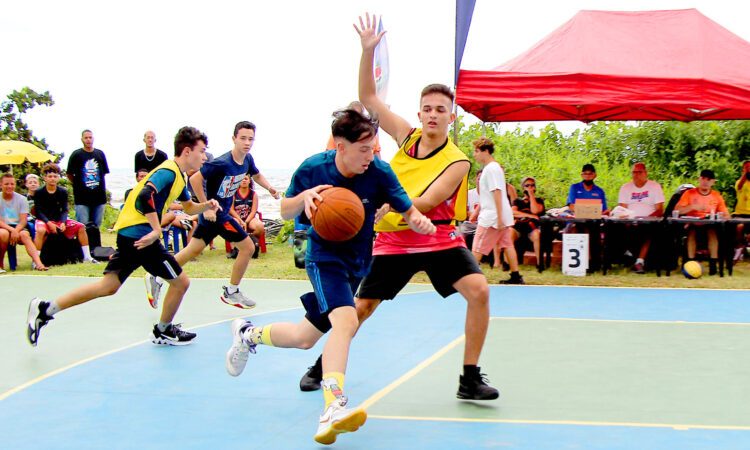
586, 189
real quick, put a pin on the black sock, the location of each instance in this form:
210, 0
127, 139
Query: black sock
471, 370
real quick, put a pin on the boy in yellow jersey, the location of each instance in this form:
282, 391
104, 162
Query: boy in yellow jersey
138, 244
434, 174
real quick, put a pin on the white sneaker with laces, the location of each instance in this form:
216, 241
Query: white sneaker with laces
236, 358
153, 288
237, 298
337, 419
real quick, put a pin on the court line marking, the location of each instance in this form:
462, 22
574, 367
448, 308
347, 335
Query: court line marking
679, 427
410, 374
670, 322
23, 386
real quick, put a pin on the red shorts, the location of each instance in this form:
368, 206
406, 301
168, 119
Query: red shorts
486, 239
71, 227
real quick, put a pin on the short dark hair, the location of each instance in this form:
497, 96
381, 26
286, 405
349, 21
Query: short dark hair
51, 168
588, 168
708, 173
86, 131
187, 137
244, 125
437, 88
484, 144
7, 175
353, 126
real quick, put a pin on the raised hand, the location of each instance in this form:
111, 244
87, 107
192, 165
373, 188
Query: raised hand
367, 34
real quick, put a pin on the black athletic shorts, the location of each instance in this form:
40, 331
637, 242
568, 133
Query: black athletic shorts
154, 258
230, 230
390, 273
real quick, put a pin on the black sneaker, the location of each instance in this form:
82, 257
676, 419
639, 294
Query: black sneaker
36, 318
475, 387
233, 254
513, 280
173, 335
310, 381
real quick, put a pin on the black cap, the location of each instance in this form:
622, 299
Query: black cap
708, 173
588, 168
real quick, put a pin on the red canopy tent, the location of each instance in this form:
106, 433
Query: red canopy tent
606, 65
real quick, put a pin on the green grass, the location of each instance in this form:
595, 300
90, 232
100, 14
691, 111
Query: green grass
278, 264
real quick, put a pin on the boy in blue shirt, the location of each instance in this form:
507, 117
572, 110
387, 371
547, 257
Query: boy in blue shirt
223, 176
334, 268
138, 232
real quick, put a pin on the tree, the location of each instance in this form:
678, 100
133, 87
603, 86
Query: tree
13, 127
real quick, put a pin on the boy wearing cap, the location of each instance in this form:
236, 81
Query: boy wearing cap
700, 202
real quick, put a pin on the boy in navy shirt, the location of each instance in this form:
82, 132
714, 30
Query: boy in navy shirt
334, 268
223, 176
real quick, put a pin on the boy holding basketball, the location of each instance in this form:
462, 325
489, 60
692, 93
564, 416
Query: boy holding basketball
434, 173
334, 268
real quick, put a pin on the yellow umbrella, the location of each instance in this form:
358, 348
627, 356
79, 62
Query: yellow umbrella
16, 152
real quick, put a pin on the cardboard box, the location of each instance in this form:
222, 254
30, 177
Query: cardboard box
588, 209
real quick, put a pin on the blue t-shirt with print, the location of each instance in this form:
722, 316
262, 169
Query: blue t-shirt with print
223, 177
376, 186
162, 180
577, 191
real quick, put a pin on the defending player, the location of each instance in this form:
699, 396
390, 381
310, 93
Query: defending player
138, 244
334, 268
434, 173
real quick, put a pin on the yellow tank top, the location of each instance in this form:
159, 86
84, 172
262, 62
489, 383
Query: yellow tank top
416, 175
130, 216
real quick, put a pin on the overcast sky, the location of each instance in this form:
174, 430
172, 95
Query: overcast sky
120, 69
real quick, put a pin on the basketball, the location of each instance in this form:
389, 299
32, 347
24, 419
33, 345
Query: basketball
339, 216
692, 270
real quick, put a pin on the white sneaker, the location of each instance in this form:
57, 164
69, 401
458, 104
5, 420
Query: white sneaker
336, 419
91, 260
236, 358
237, 299
153, 288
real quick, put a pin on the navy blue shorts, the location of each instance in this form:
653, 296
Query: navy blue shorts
334, 286
230, 230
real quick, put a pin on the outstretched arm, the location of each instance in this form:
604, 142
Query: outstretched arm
261, 180
392, 123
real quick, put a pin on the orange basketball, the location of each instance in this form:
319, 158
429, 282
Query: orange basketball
339, 216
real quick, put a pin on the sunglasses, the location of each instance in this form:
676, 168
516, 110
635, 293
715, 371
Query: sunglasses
529, 185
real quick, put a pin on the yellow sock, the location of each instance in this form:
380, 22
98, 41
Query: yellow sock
259, 335
333, 386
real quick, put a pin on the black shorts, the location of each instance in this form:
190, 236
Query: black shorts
230, 230
390, 273
154, 258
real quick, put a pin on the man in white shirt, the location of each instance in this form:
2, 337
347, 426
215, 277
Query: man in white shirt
495, 219
646, 198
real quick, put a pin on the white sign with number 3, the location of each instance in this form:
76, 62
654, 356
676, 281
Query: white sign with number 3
575, 258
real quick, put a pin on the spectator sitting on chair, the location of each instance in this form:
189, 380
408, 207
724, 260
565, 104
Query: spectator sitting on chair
14, 211
526, 211
586, 189
742, 210
646, 198
469, 226
51, 204
245, 211
32, 184
700, 202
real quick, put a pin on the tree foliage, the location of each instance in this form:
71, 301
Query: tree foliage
12, 125
674, 154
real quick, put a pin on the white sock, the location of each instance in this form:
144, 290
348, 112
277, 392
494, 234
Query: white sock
53, 308
86, 253
639, 261
233, 288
